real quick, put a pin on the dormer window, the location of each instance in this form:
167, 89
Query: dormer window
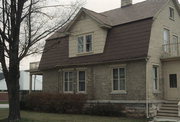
85, 43
171, 13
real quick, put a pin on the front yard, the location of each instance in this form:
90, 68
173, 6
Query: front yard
46, 117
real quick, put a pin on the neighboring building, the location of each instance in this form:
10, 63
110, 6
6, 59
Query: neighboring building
23, 81
129, 55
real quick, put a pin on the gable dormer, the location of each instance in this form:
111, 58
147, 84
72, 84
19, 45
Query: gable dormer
87, 34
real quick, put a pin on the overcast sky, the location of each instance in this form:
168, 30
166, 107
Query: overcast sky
95, 5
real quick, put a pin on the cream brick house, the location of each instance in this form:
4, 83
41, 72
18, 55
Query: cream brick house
129, 55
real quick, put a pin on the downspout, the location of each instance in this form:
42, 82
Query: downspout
59, 74
147, 90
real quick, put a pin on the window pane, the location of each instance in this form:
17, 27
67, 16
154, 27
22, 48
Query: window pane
81, 75
115, 74
66, 76
88, 43
171, 10
122, 72
173, 80
70, 76
122, 84
155, 77
82, 86
66, 86
80, 44
70, 86
115, 84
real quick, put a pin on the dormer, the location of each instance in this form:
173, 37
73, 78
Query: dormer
87, 33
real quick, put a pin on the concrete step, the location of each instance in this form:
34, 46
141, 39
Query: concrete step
171, 102
168, 111
169, 108
166, 119
170, 105
167, 114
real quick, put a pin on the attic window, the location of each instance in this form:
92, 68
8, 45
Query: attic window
84, 43
171, 13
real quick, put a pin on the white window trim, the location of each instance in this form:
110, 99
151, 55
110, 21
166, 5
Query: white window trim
118, 91
158, 79
84, 43
68, 70
83, 92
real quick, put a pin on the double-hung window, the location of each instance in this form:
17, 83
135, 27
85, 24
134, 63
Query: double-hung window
166, 40
119, 79
68, 81
81, 81
156, 78
85, 43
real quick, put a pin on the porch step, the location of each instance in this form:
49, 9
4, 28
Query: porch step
168, 109
170, 105
167, 114
166, 119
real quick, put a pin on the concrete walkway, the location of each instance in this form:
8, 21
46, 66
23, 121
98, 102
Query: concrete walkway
4, 105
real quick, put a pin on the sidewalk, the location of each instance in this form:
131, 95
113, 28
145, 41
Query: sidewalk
4, 105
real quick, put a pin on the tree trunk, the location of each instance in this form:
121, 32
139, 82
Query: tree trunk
13, 91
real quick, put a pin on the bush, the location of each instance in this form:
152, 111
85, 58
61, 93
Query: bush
54, 103
107, 109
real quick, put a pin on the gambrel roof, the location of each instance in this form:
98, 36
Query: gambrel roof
135, 20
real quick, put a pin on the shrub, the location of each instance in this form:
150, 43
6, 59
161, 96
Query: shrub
54, 103
107, 109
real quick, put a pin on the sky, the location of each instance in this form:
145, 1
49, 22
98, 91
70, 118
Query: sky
95, 5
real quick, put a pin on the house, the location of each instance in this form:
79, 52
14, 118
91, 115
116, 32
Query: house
129, 55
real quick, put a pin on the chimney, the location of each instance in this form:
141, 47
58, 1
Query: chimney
125, 3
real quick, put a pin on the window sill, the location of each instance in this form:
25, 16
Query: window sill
118, 92
156, 92
65, 92
171, 19
85, 53
81, 93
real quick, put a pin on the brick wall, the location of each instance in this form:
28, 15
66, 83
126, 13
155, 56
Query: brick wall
3, 96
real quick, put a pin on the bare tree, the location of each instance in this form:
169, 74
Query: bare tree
23, 24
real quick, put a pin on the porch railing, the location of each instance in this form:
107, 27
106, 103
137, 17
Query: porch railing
171, 50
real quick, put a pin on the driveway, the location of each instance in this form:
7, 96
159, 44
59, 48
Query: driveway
4, 106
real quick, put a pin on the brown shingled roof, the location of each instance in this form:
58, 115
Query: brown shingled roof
123, 15
124, 42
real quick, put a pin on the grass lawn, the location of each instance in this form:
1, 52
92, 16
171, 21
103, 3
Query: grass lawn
46, 117
4, 102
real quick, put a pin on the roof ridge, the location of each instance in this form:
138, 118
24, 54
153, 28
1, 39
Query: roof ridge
124, 7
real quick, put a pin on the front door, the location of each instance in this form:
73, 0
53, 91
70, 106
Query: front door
173, 87
171, 72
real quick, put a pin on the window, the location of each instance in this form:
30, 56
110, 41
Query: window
173, 80
85, 43
171, 13
156, 77
119, 79
81, 81
68, 81
175, 45
80, 44
88, 43
166, 40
